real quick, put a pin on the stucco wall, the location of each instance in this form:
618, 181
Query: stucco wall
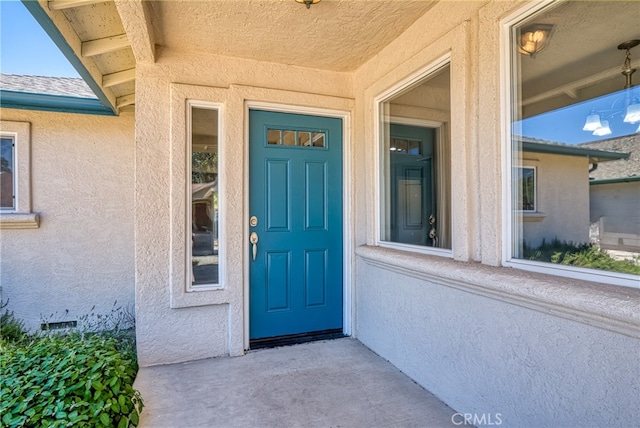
529, 366
173, 324
562, 192
540, 350
81, 256
619, 203
488, 317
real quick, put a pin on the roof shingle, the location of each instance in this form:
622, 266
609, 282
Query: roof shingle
66, 86
621, 168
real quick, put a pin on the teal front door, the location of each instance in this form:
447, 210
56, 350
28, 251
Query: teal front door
295, 203
412, 184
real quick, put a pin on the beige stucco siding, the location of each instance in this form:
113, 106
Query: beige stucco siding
174, 325
446, 321
562, 192
487, 330
619, 204
81, 256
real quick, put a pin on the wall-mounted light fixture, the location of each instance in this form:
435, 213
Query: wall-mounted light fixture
599, 126
534, 38
308, 3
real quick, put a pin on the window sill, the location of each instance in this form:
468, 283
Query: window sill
434, 251
610, 307
532, 216
199, 296
19, 220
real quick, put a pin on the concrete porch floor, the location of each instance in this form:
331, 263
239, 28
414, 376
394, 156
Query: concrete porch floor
334, 383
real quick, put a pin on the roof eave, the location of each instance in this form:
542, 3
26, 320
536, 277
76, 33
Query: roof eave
595, 156
54, 26
629, 179
56, 103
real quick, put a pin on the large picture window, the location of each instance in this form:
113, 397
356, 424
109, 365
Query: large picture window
575, 139
415, 163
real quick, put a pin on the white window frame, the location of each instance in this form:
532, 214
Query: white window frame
508, 92
181, 292
12, 138
379, 172
191, 104
20, 216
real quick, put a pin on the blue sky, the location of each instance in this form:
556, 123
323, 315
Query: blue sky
565, 125
24, 46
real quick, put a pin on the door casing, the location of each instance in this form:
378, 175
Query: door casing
347, 217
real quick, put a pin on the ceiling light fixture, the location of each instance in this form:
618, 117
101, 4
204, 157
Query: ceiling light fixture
534, 38
308, 3
594, 123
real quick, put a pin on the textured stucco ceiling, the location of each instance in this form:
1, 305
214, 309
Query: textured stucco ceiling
582, 47
337, 35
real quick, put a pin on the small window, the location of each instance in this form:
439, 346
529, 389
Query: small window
578, 212
7, 173
415, 194
15, 176
287, 137
525, 179
205, 201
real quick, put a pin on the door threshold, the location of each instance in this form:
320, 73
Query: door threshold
295, 339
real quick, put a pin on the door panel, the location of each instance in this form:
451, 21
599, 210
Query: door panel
277, 194
296, 194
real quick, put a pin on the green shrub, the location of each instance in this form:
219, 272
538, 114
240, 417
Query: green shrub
11, 328
585, 255
68, 380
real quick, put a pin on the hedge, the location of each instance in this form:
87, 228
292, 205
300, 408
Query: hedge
68, 380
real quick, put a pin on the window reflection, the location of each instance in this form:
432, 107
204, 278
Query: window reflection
415, 196
204, 196
576, 141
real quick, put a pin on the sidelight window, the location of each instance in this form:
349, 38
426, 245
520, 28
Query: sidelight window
204, 197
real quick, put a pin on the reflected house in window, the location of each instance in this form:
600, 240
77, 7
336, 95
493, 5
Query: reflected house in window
202, 207
551, 190
614, 196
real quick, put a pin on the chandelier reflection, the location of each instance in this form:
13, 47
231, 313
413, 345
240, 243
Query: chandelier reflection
595, 121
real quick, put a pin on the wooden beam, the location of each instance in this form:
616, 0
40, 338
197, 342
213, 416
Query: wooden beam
136, 20
109, 80
125, 100
68, 4
571, 89
105, 45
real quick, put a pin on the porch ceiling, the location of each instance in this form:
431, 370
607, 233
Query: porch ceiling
337, 35
110, 36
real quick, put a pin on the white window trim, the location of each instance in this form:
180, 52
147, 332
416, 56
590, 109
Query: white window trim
180, 296
378, 137
612, 278
13, 169
20, 217
189, 203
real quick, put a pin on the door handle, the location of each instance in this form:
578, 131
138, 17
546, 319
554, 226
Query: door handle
253, 238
